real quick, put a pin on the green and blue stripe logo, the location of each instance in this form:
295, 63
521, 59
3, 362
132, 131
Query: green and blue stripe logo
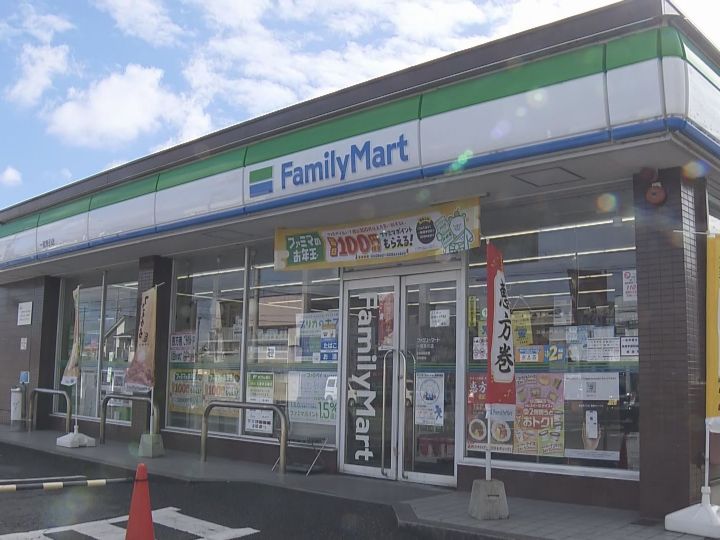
261, 181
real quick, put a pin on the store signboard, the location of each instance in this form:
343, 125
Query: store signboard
260, 389
381, 153
440, 229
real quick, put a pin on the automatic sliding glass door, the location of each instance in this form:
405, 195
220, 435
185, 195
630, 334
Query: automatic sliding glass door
400, 356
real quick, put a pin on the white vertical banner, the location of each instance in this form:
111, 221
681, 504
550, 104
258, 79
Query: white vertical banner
140, 375
72, 368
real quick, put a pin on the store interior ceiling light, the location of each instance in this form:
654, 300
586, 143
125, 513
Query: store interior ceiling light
296, 308
292, 284
212, 273
596, 291
560, 255
544, 280
558, 228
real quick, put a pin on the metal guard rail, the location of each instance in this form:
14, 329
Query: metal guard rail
154, 427
32, 423
247, 406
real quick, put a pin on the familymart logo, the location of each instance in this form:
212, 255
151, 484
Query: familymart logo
261, 181
362, 159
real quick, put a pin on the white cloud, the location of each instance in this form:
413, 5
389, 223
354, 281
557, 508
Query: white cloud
704, 15
38, 65
124, 106
144, 19
65, 174
10, 177
253, 63
520, 15
43, 27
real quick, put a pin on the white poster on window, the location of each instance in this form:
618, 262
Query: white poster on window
429, 399
260, 389
24, 314
313, 397
480, 348
629, 346
591, 386
562, 310
629, 286
602, 349
439, 318
318, 336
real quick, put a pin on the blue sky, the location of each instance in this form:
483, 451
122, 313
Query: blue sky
89, 84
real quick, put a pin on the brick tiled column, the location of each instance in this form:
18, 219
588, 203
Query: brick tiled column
671, 311
153, 271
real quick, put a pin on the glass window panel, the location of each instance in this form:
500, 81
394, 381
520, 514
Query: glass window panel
119, 344
89, 301
292, 356
570, 277
205, 342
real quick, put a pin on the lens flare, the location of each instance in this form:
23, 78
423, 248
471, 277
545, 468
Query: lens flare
536, 98
520, 112
695, 169
501, 129
461, 161
607, 202
422, 195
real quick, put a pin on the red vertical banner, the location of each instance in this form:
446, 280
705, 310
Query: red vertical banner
501, 361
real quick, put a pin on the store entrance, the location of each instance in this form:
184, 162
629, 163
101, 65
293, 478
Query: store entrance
401, 336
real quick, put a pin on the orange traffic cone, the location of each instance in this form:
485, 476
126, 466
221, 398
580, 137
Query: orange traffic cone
140, 524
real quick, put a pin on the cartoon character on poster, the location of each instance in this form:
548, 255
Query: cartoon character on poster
454, 233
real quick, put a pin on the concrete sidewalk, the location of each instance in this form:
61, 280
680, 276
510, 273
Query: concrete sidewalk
429, 511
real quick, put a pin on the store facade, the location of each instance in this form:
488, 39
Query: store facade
331, 258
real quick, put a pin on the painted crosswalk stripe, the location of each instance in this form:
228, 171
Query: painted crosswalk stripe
102, 530
168, 517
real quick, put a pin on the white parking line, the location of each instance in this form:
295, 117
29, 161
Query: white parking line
168, 517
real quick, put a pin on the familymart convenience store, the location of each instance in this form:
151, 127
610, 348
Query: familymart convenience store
330, 258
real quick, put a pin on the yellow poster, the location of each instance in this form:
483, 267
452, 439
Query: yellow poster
472, 311
712, 391
441, 229
140, 375
192, 389
522, 328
